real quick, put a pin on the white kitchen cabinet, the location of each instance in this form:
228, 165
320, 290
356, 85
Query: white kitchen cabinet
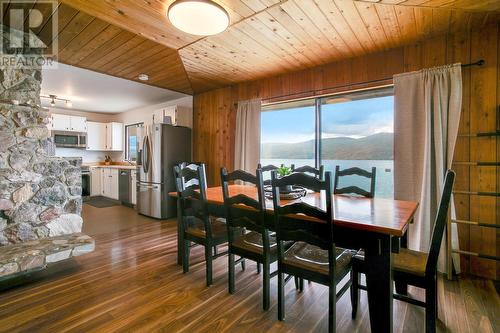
115, 182
104, 136
110, 183
95, 182
105, 182
114, 136
62, 122
78, 124
96, 136
180, 115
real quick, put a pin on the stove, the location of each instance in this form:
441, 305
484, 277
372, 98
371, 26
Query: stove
85, 183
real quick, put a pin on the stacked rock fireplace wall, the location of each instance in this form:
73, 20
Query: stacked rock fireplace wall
40, 194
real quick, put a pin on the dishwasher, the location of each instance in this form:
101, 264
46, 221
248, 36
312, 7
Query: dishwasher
125, 191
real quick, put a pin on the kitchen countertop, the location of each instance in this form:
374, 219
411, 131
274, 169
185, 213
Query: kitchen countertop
123, 167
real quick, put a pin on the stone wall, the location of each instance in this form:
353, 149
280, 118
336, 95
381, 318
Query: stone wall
40, 195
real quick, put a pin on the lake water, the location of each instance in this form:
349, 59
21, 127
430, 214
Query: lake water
384, 182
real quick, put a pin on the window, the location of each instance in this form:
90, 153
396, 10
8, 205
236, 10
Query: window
287, 133
131, 142
354, 129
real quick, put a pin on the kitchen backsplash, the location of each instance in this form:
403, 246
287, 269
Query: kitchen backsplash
88, 156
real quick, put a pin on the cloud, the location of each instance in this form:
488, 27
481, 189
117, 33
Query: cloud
354, 119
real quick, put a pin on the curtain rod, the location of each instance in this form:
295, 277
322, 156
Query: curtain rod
477, 63
312, 93
480, 62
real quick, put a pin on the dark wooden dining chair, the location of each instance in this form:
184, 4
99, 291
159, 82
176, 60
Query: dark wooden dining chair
187, 183
244, 213
313, 256
318, 173
197, 225
267, 168
416, 268
352, 189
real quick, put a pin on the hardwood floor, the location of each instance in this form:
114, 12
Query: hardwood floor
131, 283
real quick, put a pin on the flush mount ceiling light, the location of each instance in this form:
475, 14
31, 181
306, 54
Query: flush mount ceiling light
198, 17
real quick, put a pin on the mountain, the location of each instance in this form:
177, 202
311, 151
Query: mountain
374, 147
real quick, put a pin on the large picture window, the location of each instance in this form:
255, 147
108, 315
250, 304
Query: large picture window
354, 129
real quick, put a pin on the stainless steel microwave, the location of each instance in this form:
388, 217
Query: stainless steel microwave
68, 139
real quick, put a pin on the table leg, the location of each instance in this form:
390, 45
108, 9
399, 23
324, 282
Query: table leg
379, 283
401, 287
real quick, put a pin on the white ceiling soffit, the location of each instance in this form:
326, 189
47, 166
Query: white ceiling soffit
96, 92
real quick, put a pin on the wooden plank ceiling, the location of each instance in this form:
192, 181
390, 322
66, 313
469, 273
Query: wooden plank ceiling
266, 37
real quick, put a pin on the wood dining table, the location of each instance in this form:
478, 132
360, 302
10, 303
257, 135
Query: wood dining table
376, 225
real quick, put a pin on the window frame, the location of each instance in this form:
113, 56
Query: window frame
127, 127
318, 112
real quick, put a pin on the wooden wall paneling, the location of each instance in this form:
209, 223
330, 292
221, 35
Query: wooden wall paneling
434, 52
85, 36
458, 50
305, 54
498, 149
214, 119
26, 7
405, 17
270, 37
129, 57
390, 25
459, 21
479, 94
131, 15
249, 29
441, 21
47, 12
119, 49
285, 16
413, 57
351, 14
88, 42
109, 33
339, 22
109, 46
372, 22
460, 4
72, 29
483, 119
318, 18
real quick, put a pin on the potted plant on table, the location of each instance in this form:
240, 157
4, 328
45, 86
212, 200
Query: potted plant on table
282, 172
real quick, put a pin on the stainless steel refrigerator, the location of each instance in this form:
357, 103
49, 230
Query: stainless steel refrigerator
161, 146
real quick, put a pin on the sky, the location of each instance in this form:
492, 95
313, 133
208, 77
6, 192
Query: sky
353, 119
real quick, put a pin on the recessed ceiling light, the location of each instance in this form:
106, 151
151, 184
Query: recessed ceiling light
198, 17
143, 77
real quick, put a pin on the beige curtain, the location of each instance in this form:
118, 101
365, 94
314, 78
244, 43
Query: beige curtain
247, 143
427, 115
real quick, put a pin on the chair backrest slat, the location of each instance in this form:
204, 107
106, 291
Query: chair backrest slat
440, 223
299, 221
319, 173
190, 182
267, 168
242, 210
353, 189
